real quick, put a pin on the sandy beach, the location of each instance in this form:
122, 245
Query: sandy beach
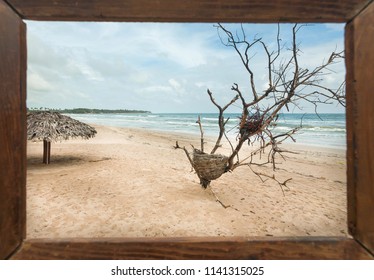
133, 183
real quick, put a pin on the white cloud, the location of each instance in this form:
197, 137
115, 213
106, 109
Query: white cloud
77, 67
175, 84
37, 83
335, 27
139, 77
157, 89
167, 67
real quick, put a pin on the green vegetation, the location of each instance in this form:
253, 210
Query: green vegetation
89, 111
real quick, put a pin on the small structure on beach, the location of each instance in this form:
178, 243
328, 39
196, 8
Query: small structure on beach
52, 126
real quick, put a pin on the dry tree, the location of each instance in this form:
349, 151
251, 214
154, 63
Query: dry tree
288, 84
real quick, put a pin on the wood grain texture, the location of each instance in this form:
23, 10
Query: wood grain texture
360, 126
351, 118
12, 130
192, 10
194, 248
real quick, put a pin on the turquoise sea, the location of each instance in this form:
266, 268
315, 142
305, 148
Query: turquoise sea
325, 130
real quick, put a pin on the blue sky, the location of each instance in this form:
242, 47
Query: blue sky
160, 67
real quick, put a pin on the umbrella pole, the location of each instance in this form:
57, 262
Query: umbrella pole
46, 151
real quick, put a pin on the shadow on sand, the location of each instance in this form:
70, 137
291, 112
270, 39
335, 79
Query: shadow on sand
57, 160
62, 160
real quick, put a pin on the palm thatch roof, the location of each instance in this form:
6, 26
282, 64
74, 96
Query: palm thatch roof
53, 126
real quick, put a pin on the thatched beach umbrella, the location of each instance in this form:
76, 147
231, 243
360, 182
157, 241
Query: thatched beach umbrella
53, 126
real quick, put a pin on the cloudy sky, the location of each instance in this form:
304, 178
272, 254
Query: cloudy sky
160, 67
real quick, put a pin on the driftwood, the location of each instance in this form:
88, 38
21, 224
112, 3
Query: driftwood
288, 84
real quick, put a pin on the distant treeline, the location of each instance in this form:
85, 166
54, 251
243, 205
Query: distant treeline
89, 111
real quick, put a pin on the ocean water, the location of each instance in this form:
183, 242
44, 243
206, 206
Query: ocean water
327, 130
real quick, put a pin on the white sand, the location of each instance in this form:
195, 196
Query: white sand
133, 183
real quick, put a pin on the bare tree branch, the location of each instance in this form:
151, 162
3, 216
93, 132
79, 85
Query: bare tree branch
221, 119
288, 84
201, 134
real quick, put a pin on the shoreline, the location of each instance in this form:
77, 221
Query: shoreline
131, 182
195, 135
328, 132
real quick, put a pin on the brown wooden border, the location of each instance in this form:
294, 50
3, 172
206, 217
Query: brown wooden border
359, 16
194, 248
360, 126
12, 130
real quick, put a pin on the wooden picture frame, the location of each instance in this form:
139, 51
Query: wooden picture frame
359, 39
